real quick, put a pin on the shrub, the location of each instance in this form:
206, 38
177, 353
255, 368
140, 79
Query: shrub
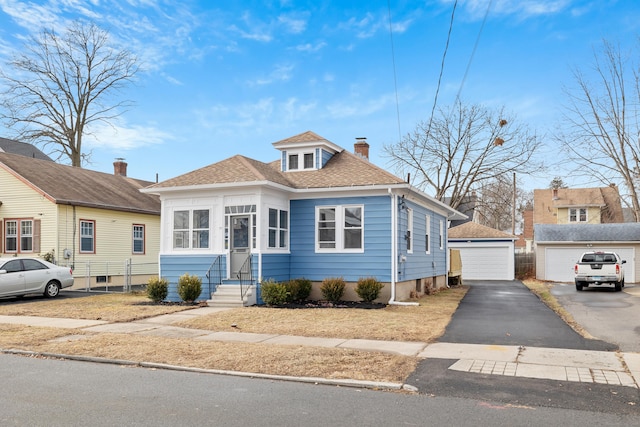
157, 289
299, 289
274, 293
368, 289
189, 287
332, 288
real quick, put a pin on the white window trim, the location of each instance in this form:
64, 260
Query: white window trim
279, 244
339, 229
441, 235
190, 231
84, 236
427, 234
301, 154
142, 239
577, 215
409, 236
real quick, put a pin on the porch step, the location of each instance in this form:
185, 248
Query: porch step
229, 296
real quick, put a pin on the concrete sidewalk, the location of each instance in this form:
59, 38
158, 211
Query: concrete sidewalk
614, 368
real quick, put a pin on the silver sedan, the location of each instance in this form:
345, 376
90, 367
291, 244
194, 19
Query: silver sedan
21, 276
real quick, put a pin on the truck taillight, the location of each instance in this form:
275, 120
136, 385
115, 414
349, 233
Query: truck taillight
617, 269
575, 269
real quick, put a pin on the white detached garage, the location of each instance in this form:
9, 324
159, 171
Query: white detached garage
559, 246
486, 253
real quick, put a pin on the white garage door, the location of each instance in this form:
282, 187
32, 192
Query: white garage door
486, 263
559, 262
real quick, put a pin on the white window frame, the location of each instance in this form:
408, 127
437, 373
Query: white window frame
409, 236
84, 227
340, 229
13, 235
191, 235
577, 214
280, 229
138, 234
441, 235
427, 234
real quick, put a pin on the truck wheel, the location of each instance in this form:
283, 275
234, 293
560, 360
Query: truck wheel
618, 286
578, 286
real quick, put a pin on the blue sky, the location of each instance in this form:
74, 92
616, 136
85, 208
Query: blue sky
225, 78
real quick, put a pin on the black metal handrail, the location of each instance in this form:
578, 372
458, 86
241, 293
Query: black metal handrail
216, 269
245, 276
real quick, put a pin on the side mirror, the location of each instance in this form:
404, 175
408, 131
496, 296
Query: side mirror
624, 261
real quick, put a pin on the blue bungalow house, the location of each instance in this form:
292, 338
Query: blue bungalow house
319, 211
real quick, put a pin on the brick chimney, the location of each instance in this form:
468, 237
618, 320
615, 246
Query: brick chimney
120, 167
361, 148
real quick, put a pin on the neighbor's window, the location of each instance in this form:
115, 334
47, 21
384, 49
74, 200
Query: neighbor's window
293, 161
409, 236
339, 228
441, 234
191, 223
427, 234
11, 236
577, 215
138, 238
87, 236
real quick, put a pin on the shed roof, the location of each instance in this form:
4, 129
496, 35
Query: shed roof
629, 232
70, 185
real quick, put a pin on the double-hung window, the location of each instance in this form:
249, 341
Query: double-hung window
308, 160
409, 235
339, 229
441, 242
191, 229
278, 228
21, 235
138, 239
87, 236
577, 215
427, 236
11, 236
293, 162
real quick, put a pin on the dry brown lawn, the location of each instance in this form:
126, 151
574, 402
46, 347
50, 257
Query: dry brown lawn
404, 323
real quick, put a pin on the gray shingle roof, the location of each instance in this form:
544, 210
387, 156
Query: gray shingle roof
625, 232
82, 187
22, 149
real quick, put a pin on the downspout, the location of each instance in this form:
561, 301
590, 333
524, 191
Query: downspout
394, 251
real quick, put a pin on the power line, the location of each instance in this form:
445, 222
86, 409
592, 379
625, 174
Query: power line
395, 79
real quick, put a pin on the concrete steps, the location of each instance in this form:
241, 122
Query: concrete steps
228, 295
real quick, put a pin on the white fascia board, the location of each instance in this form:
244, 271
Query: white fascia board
222, 186
442, 208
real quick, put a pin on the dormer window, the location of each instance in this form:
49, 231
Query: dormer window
577, 215
293, 162
308, 160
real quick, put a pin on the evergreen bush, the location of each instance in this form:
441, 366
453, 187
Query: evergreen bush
333, 288
274, 293
368, 289
299, 289
157, 289
189, 287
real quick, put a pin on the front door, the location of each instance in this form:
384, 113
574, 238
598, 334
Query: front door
240, 240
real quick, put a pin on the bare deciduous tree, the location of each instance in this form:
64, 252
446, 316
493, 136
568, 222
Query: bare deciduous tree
61, 84
604, 128
500, 203
462, 147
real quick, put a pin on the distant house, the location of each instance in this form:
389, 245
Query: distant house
558, 247
89, 220
317, 212
487, 253
467, 206
599, 205
21, 148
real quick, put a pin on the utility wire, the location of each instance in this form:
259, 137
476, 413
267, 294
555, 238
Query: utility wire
395, 78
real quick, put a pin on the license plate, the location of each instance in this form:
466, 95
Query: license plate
597, 278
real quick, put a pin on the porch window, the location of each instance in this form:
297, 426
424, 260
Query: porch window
87, 236
278, 228
577, 215
339, 229
138, 239
191, 223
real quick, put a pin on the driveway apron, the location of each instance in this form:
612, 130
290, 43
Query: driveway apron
507, 313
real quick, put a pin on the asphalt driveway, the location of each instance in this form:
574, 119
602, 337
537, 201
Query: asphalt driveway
507, 313
605, 314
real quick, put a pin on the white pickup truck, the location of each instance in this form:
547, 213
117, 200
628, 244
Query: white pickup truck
597, 268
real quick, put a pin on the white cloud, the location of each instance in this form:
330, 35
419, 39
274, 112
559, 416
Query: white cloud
123, 137
308, 47
521, 8
293, 25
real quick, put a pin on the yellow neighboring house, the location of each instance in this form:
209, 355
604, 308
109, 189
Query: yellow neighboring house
98, 223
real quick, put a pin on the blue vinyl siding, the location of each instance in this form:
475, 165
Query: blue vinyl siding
276, 267
174, 266
326, 156
375, 261
419, 264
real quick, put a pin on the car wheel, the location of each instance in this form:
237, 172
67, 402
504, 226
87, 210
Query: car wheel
52, 289
623, 282
578, 286
618, 286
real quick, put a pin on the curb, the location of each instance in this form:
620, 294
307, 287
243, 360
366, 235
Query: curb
373, 385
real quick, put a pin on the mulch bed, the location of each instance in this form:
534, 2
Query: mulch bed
328, 304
